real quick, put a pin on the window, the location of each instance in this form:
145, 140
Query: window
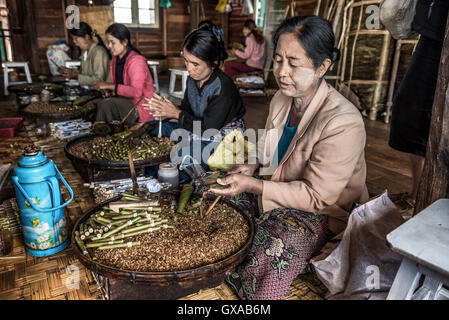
137, 13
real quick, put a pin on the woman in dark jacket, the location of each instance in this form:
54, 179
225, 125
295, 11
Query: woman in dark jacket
211, 99
412, 106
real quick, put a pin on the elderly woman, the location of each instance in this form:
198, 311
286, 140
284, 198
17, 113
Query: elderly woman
319, 138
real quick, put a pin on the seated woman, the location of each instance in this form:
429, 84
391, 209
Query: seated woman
211, 100
131, 80
255, 52
94, 57
318, 137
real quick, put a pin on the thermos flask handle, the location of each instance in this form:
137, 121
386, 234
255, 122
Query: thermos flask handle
15, 179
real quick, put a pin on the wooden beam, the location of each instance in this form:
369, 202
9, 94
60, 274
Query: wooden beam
30, 30
66, 32
194, 14
164, 31
435, 180
225, 27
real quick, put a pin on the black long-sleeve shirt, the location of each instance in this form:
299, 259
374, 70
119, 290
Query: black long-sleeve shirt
215, 104
430, 18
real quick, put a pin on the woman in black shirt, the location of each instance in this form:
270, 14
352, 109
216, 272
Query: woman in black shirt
211, 99
412, 105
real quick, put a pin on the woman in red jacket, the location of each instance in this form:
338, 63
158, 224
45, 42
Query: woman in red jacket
131, 80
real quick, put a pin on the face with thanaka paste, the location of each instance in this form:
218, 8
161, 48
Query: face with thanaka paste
293, 69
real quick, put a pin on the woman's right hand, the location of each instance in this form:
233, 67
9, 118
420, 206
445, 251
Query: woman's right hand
245, 169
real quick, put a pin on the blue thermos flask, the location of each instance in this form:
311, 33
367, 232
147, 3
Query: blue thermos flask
39, 199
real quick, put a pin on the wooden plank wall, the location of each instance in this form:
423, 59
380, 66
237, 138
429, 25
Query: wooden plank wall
49, 16
49, 28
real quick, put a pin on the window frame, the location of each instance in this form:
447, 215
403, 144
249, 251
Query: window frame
135, 16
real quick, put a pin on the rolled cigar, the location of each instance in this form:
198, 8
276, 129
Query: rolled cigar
121, 245
115, 206
81, 245
145, 226
148, 230
102, 243
125, 225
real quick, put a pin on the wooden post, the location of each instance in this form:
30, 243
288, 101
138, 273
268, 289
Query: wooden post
225, 27
164, 32
66, 32
30, 27
435, 180
194, 14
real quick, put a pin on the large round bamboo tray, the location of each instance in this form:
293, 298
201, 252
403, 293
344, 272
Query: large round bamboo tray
42, 117
124, 284
98, 170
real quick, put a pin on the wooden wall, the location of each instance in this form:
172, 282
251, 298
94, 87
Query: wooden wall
46, 20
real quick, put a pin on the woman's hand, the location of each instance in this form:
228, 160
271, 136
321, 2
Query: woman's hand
99, 85
238, 183
245, 169
161, 107
68, 73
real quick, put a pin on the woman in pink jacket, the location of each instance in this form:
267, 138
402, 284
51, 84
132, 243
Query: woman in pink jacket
254, 53
131, 80
313, 149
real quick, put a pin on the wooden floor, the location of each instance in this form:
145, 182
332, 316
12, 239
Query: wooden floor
25, 277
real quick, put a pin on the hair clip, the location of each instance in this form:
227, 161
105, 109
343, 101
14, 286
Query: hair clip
217, 32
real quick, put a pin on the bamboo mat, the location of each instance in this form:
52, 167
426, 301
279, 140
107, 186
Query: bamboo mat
23, 277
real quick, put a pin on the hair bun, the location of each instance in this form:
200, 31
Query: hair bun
335, 55
206, 25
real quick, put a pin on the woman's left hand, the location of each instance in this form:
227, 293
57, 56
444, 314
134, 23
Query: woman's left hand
238, 183
162, 107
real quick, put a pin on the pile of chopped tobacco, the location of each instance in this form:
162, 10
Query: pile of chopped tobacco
115, 148
192, 242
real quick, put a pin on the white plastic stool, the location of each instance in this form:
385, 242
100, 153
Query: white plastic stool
152, 65
7, 65
171, 88
424, 242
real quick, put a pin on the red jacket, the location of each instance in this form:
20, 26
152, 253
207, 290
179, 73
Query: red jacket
137, 82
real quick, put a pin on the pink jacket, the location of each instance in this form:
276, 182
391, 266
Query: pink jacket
324, 168
137, 82
254, 53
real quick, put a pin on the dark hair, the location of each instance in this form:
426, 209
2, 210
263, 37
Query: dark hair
251, 25
206, 44
86, 29
315, 34
121, 32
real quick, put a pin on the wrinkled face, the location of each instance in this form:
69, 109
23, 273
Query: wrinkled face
83, 43
293, 70
115, 46
197, 68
